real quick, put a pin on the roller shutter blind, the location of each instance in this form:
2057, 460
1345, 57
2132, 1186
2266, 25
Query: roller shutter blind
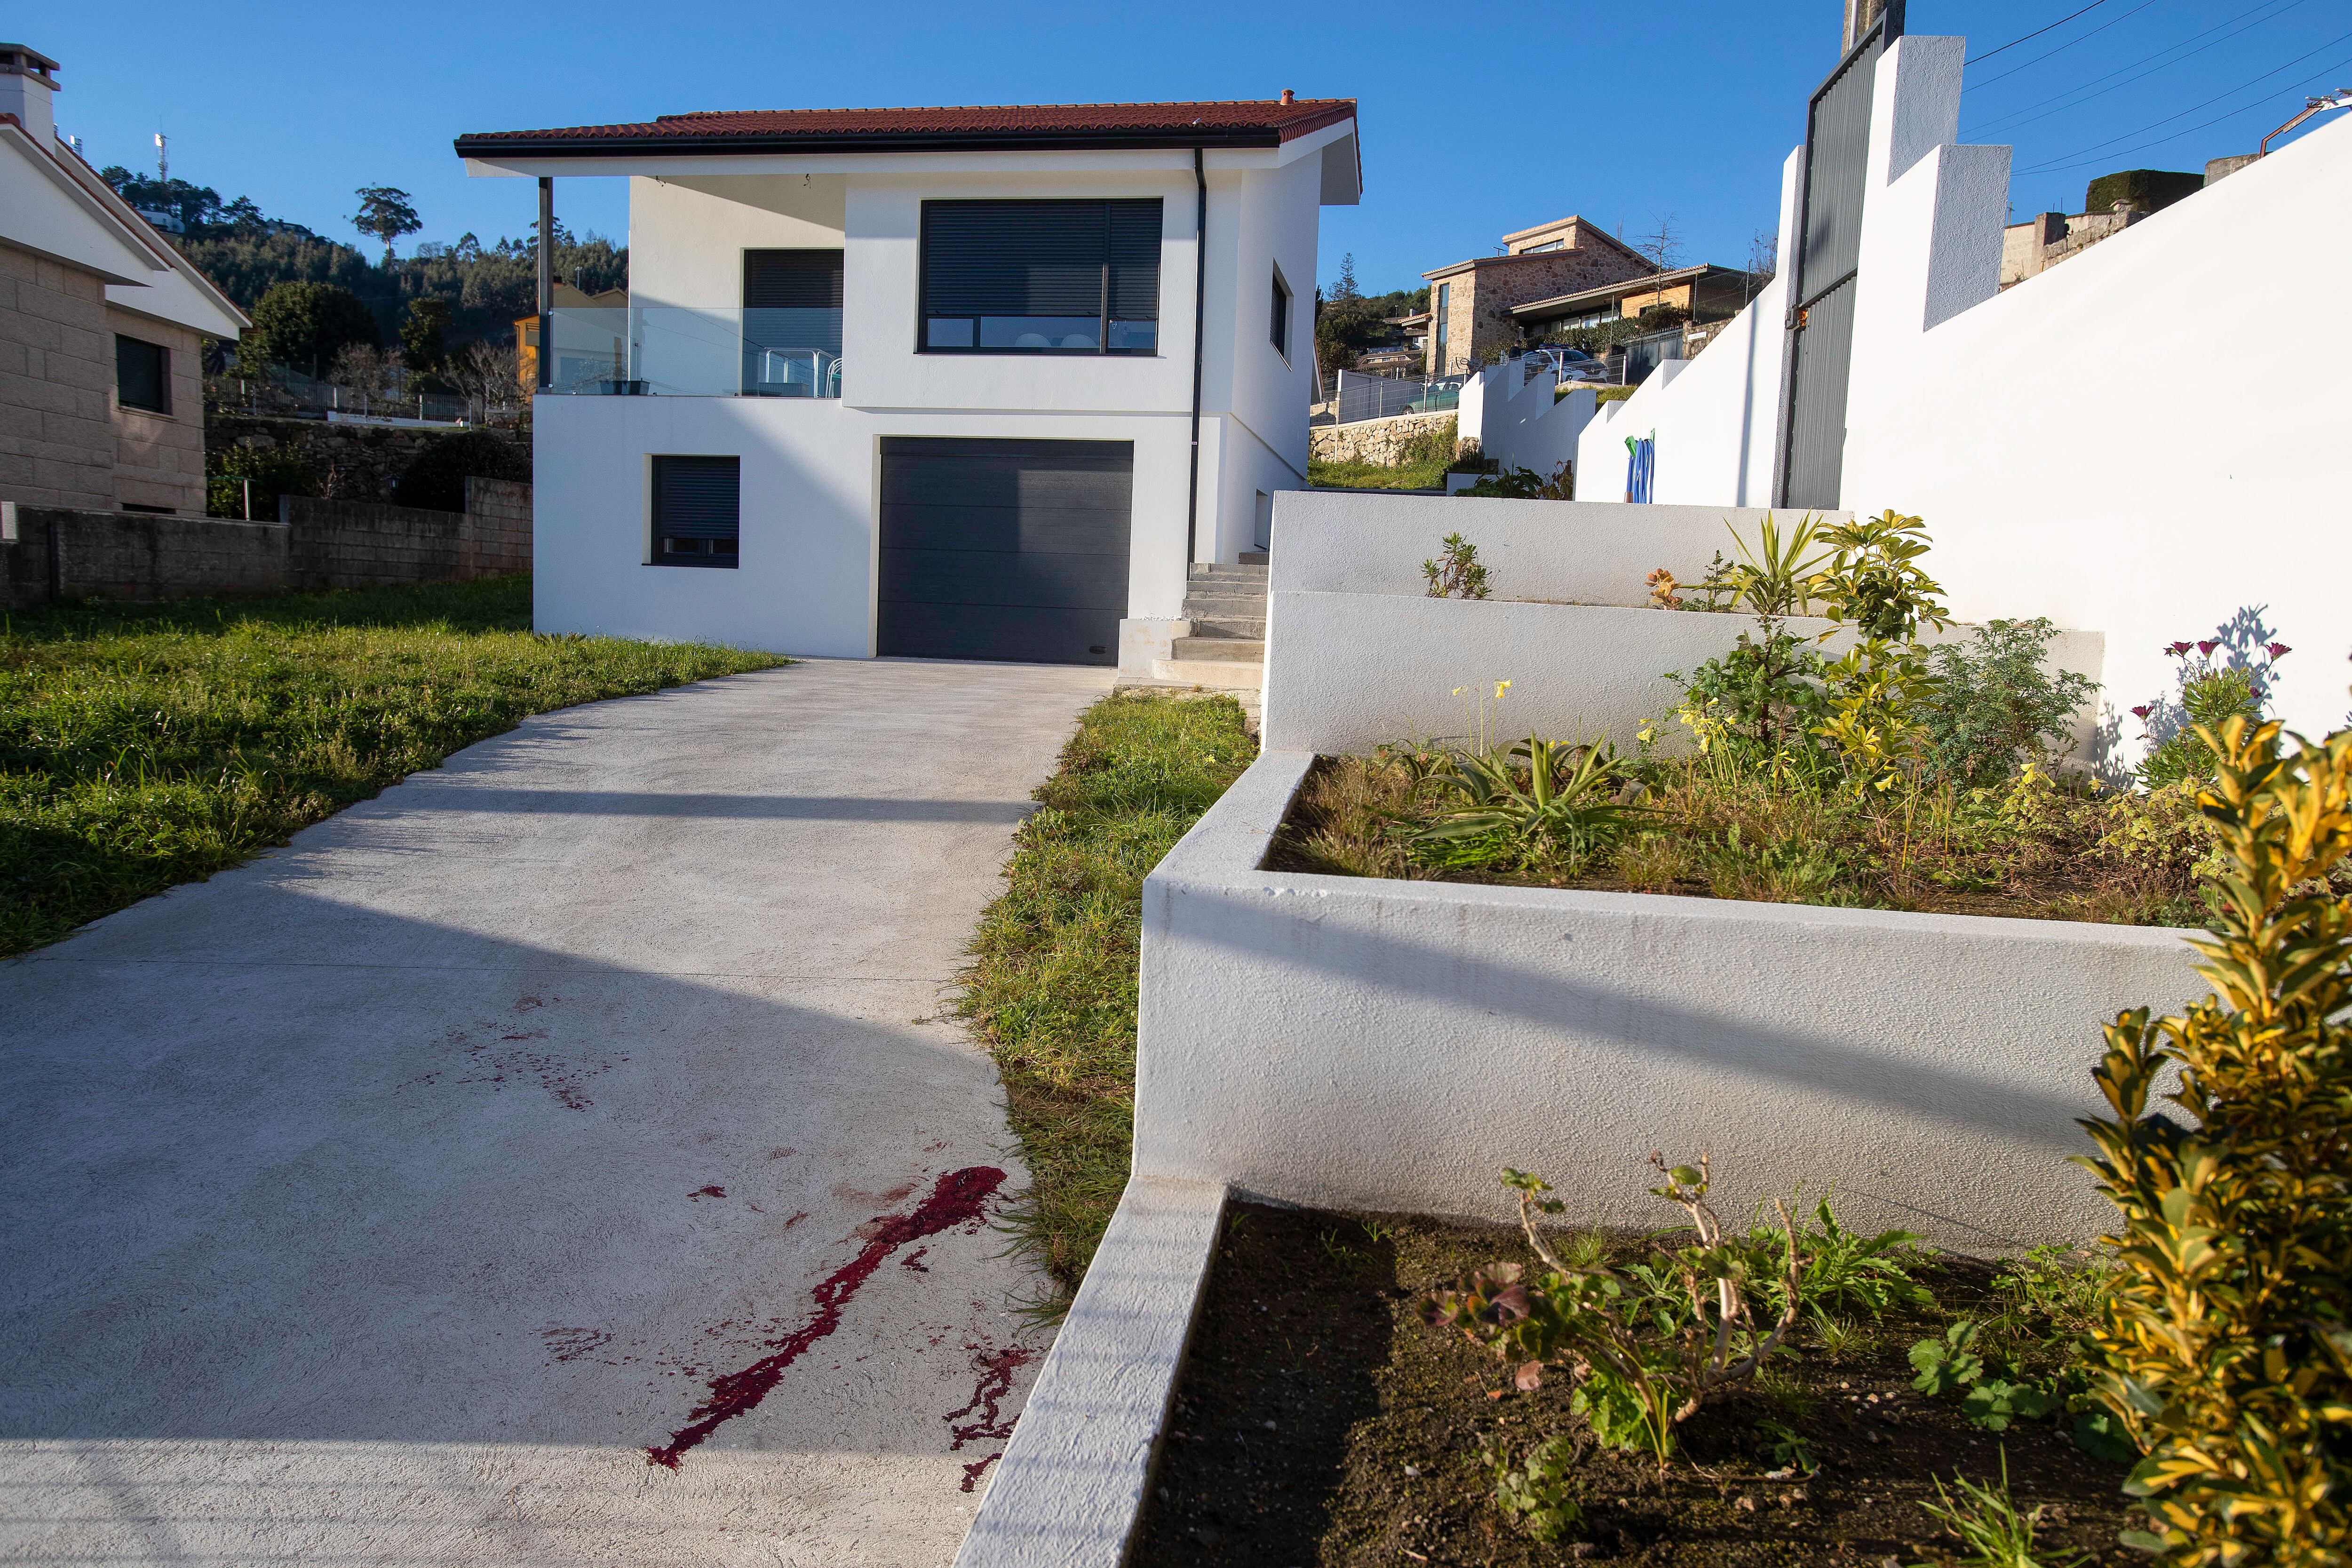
792, 279
1051, 261
697, 510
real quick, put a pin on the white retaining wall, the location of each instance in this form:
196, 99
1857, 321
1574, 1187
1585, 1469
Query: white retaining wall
2065, 461
1379, 1045
1358, 655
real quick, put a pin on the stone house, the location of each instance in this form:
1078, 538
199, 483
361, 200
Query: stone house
101, 327
1470, 302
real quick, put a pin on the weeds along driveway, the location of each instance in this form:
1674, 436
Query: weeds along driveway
558, 1159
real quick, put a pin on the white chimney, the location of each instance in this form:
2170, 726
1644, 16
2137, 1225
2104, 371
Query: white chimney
28, 79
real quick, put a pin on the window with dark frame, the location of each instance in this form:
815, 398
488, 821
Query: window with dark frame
142, 374
1040, 277
1281, 315
697, 510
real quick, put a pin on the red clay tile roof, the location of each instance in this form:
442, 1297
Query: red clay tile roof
1261, 123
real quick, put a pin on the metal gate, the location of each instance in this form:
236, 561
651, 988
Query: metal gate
1820, 325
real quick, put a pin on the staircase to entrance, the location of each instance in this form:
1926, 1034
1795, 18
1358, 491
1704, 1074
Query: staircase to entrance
1225, 648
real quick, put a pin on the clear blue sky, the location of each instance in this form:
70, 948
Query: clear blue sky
1476, 120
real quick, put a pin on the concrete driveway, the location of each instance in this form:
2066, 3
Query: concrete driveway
558, 1159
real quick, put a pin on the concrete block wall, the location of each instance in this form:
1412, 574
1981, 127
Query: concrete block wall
497, 533
57, 376
61, 553
368, 544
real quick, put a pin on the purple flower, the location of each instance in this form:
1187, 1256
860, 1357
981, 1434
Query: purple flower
2207, 648
2141, 712
2177, 649
2280, 650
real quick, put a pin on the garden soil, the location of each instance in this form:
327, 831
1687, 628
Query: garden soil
1320, 1422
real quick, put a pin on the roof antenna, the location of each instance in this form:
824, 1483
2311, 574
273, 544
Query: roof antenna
162, 162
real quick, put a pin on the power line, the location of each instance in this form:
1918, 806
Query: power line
2062, 48
2098, 147
2037, 32
2021, 116
2056, 168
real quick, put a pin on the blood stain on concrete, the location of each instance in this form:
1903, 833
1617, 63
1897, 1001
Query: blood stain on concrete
914, 1260
713, 1191
956, 1198
972, 1472
796, 1219
570, 1344
996, 1369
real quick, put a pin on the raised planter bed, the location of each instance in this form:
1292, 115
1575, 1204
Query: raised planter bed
1387, 1045
1319, 1419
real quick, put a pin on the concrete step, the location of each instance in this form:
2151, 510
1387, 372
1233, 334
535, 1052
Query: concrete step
1223, 607
1222, 649
1229, 572
1228, 625
1216, 674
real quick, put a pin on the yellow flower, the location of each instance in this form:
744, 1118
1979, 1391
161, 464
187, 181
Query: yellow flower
1501, 687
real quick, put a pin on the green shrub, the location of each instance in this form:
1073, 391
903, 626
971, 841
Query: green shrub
1995, 708
436, 479
1646, 1344
2208, 695
1454, 573
272, 472
2225, 1346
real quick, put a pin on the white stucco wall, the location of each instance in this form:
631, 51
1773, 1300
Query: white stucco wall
2065, 465
1715, 418
1377, 1045
1517, 421
1572, 552
2045, 434
1358, 655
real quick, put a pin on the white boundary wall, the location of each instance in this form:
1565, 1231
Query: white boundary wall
1380, 1045
1518, 421
2067, 458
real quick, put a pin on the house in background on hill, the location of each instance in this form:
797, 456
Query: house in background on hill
1470, 302
2112, 205
526, 331
101, 326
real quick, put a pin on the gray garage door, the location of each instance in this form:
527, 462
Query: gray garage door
1005, 549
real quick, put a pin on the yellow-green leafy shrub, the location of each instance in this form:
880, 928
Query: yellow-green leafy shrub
2225, 1347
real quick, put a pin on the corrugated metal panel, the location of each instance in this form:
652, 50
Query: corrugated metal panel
1005, 549
1837, 157
1817, 410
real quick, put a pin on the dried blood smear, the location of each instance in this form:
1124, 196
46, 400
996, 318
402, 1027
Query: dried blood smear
972, 1472
995, 1382
955, 1199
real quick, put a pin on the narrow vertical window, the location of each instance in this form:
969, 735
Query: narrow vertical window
142, 374
1280, 315
1444, 291
697, 510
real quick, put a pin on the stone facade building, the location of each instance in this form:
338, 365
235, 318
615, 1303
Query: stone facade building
101, 327
1470, 302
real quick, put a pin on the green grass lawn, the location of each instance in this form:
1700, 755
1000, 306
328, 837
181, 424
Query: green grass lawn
1423, 476
1053, 980
142, 746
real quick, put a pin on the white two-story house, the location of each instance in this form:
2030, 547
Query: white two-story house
943, 383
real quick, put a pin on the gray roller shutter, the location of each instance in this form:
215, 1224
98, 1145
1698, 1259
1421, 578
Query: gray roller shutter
1005, 549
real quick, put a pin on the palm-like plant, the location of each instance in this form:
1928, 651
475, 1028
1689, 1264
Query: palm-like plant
1539, 799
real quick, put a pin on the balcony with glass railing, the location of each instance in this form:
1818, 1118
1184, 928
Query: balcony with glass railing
683, 350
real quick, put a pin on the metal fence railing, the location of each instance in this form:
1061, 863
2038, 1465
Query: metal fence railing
1643, 355
288, 392
1379, 396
